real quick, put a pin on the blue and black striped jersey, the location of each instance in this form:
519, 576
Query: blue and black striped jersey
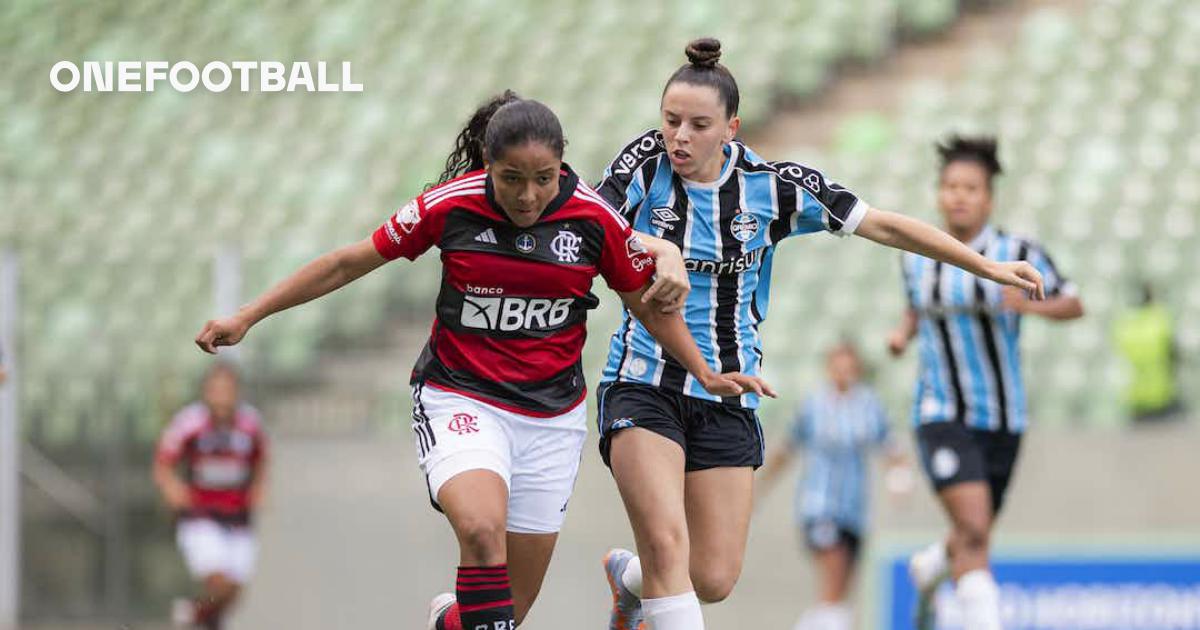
970, 363
837, 431
727, 230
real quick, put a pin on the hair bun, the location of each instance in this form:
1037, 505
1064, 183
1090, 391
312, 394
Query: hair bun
704, 52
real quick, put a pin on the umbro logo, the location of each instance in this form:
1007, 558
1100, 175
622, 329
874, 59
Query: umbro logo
664, 218
486, 236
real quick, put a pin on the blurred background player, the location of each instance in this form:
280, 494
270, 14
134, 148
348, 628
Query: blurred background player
683, 459
1144, 335
837, 428
220, 445
498, 392
969, 406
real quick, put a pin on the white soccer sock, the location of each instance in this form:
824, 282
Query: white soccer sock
632, 577
980, 600
826, 617
929, 566
838, 616
677, 612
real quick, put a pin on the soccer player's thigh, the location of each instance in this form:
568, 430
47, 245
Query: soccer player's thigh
464, 451
718, 503
642, 441
1000, 451
545, 464
203, 545
723, 450
957, 468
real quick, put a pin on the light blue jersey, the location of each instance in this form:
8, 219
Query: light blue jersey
727, 230
970, 360
837, 432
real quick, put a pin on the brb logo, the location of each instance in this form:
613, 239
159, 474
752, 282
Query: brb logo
566, 246
463, 423
498, 625
508, 314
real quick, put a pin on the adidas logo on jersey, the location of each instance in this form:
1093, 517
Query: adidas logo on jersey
486, 236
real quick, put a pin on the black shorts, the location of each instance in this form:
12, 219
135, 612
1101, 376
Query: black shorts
824, 534
712, 434
952, 453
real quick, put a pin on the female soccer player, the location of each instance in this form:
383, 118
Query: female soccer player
969, 406
220, 443
498, 391
683, 458
837, 427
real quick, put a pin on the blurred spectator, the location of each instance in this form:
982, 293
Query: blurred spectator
1145, 337
837, 427
220, 446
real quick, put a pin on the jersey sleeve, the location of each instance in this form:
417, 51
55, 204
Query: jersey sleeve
410, 232
629, 175
258, 452
808, 202
908, 277
174, 438
624, 261
1056, 284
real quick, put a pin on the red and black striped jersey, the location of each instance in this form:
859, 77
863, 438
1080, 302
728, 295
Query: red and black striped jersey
512, 309
220, 462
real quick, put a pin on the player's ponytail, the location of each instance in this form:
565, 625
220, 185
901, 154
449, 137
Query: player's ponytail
468, 147
703, 68
980, 149
507, 120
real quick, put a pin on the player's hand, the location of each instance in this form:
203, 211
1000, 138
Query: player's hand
226, 331
1021, 275
736, 384
671, 286
1015, 300
897, 342
899, 480
178, 498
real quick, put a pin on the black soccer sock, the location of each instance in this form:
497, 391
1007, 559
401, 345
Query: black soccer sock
485, 598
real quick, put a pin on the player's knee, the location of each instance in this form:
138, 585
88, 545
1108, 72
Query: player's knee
971, 538
481, 539
714, 584
665, 547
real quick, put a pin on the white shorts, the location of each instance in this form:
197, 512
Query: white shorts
538, 458
210, 547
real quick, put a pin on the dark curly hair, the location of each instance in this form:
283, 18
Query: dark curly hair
504, 121
978, 149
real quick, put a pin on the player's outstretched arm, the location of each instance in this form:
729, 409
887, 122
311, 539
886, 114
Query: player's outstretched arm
326, 274
909, 234
672, 333
1058, 307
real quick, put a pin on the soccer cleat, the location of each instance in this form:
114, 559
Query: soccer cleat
927, 569
627, 607
438, 607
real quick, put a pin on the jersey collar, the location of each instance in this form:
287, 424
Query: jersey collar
567, 182
981, 240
